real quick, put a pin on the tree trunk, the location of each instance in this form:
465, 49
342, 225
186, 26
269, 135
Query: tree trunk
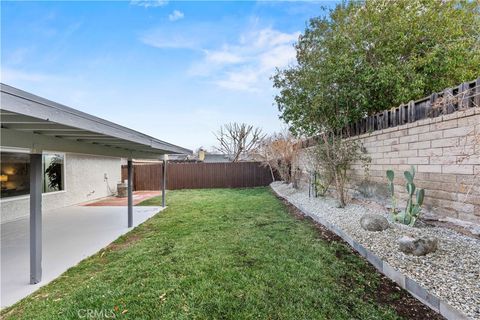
339, 187
271, 172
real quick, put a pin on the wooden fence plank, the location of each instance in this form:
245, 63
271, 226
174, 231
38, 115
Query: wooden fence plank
448, 107
401, 116
411, 111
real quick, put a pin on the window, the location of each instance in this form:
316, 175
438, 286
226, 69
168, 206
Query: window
53, 172
15, 173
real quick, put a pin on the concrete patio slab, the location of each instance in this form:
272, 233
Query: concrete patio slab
138, 196
69, 235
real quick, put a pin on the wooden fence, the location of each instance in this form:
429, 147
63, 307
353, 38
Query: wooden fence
461, 97
199, 175
468, 96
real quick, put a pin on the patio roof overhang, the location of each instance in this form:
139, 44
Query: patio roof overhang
37, 124
31, 122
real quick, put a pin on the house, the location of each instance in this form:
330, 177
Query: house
220, 157
54, 156
80, 154
216, 158
208, 157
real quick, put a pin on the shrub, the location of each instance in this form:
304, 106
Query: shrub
279, 152
334, 156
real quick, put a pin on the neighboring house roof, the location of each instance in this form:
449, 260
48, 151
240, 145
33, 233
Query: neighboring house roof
221, 157
215, 157
178, 157
30, 121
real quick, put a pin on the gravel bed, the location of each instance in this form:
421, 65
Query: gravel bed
452, 273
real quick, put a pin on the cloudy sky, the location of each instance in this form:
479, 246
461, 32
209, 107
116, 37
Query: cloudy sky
173, 70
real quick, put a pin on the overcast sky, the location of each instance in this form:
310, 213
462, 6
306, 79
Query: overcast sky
173, 70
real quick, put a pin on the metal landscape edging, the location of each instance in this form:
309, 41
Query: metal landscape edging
406, 283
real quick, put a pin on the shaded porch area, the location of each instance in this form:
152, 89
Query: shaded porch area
70, 235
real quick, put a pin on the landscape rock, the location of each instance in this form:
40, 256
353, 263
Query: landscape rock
374, 222
473, 228
451, 273
418, 246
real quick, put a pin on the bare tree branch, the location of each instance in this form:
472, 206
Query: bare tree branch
279, 152
237, 140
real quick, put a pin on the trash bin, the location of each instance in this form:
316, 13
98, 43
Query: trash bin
122, 190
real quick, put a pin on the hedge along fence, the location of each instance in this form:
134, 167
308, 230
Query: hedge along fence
441, 143
199, 175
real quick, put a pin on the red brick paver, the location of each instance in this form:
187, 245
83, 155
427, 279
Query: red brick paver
138, 196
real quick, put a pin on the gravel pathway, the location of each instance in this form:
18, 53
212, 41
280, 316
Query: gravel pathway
452, 272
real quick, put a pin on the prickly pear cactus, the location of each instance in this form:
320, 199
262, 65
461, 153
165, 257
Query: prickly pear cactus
413, 208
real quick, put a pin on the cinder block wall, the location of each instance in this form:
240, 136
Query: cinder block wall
444, 154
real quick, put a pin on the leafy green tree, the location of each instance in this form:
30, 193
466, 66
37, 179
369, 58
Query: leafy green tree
373, 55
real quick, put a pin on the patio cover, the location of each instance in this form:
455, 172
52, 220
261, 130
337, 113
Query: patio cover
29, 122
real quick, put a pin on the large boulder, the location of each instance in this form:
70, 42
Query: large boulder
374, 222
417, 246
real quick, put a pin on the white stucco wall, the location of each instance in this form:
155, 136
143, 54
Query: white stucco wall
84, 181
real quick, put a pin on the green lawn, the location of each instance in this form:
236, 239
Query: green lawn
215, 254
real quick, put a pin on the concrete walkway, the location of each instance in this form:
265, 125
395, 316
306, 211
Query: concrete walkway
69, 235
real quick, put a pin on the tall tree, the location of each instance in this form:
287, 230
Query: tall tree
367, 56
238, 139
